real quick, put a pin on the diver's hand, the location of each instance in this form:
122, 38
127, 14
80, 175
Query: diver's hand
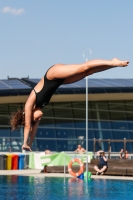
26, 147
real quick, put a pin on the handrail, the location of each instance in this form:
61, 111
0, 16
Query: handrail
109, 141
94, 140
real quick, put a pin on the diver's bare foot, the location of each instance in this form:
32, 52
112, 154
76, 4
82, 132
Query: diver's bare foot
120, 63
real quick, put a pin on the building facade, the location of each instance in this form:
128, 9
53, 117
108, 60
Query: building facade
63, 125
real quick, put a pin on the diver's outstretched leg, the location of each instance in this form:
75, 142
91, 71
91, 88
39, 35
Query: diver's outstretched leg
81, 70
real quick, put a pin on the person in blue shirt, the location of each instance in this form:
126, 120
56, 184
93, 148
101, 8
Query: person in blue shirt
102, 166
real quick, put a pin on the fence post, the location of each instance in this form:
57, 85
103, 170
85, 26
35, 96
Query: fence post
100, 144
109, 148
124, 145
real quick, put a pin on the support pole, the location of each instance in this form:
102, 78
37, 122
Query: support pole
124, 146
87, 127
64, 165
94, 147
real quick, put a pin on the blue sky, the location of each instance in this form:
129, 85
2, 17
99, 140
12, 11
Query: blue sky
37, 34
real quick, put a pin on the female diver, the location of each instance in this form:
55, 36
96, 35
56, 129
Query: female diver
42, 92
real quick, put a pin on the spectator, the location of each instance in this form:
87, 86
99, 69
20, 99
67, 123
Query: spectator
80, 149
47, 151
126, 155
102, 166
121, 154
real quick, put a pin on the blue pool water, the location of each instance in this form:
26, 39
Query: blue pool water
45, 188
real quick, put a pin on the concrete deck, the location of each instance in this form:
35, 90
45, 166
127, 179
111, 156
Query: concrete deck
36, 173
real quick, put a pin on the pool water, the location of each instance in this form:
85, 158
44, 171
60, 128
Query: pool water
47, 188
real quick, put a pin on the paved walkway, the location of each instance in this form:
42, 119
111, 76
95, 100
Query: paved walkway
36, 173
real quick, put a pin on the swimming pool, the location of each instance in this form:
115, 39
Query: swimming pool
47, 188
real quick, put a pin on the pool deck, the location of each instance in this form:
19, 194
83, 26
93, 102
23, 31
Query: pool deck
36, 173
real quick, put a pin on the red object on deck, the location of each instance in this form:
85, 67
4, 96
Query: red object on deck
14, 161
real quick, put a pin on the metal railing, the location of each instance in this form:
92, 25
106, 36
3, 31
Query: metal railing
10, 144
109, 141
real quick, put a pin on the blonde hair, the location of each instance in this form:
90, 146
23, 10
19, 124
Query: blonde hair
17, 119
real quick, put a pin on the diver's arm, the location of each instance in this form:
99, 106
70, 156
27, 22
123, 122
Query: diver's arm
27, 127
33, 132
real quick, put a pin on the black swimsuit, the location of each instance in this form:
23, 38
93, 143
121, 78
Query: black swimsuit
43, 97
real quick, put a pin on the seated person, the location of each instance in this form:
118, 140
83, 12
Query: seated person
121, 154
47, 151
80, 149
126, 155
102, 166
